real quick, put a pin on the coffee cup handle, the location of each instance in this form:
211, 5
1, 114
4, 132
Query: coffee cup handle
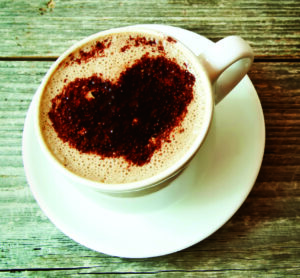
227, 62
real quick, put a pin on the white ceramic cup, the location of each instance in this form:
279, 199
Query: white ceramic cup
223, 65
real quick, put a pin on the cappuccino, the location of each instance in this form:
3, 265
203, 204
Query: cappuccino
123, 107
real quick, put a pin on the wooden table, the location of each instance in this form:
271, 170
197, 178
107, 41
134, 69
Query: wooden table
261, 240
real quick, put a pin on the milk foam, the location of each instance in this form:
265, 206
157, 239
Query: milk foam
110, 64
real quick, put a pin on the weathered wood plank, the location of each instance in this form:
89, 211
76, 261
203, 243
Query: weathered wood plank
249, 243
47, 28
279, 93
261, 239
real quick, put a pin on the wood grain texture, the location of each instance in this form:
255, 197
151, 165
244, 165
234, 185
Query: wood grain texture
279, 93
46, 28
261, 240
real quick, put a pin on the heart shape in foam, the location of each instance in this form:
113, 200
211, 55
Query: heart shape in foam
129, 118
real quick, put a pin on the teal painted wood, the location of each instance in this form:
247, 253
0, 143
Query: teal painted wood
47, 28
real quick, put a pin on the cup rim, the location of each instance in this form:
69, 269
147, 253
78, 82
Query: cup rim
140, 184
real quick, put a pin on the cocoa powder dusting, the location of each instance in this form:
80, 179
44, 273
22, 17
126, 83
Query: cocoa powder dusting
130, 118
96, 50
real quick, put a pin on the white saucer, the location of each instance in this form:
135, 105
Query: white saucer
192, 207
